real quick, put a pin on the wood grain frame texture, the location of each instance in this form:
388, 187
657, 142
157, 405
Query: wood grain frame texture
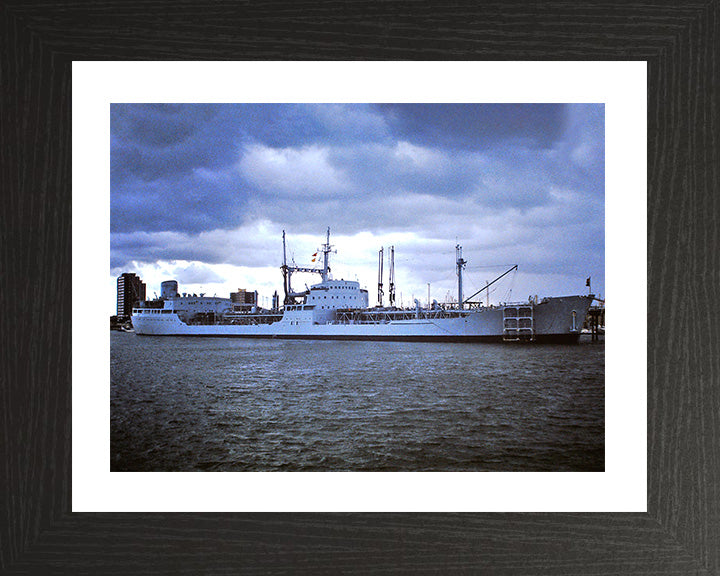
680, 533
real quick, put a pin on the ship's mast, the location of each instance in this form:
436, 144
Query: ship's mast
460, 265
288, 270
392, 276
326, 253
380, 277
286, 273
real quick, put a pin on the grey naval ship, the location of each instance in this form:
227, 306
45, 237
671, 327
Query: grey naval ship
339, 310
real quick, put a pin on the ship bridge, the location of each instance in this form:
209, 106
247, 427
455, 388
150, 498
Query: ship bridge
332, 295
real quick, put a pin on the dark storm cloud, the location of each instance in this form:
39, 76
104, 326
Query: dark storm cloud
190, 203
185, 155
160, 125
151, 141
189, 181
147, 248
173, 166
477, 127
163, 168
256, 245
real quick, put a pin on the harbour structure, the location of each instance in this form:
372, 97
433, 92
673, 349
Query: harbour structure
339, 310
595, 322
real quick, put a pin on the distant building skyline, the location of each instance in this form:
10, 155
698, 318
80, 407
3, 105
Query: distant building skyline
130, 290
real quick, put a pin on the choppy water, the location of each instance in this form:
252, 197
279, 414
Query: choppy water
266, 405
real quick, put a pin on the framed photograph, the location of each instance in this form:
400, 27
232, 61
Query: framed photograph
502, 384
377, 342
74, 505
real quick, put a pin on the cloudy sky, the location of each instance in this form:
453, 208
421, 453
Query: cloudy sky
202, 193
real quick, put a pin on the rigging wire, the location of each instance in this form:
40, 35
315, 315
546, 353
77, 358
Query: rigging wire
492, 290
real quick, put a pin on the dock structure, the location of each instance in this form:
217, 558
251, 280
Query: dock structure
596, 320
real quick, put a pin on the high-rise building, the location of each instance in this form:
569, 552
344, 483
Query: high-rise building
243, 300
130, 291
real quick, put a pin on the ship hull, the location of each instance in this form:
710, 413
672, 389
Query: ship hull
554, 320
572, 338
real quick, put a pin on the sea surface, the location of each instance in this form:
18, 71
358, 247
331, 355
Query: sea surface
218, 404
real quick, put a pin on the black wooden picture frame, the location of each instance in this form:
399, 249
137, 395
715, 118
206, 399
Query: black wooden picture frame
680, 533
